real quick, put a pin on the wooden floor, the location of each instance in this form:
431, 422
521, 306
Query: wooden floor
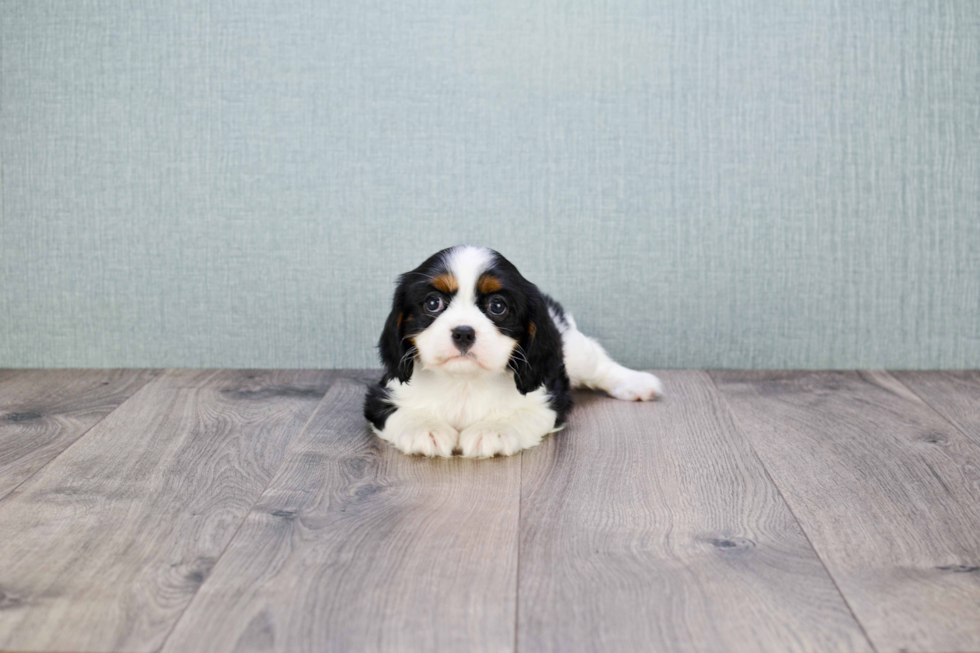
212, 511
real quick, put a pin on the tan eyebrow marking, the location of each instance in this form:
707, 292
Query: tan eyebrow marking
488, 284
446, 283
532, 329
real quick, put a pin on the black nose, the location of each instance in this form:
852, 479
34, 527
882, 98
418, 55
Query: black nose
464, 336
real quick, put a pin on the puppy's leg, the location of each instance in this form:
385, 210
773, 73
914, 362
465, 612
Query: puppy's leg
413, 433
589, 366
508, 434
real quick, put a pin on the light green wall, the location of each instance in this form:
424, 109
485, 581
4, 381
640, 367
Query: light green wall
703, 184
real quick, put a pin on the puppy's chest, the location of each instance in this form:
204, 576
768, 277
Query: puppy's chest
463, 402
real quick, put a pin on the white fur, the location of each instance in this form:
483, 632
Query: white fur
471, 403
482, 415
589, 366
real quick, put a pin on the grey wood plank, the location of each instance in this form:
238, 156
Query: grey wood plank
888, 492
953, 394
105, 547
43, 411
357, 547
653, 527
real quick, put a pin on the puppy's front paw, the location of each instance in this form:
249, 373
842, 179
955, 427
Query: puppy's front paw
488, 440
637, 386
426, 440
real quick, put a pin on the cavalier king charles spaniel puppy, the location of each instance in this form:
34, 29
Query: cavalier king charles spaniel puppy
478, 360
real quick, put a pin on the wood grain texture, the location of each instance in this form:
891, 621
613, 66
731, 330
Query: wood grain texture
105, 547
357, 547
888, 492
43, 411
654, 527
953, 394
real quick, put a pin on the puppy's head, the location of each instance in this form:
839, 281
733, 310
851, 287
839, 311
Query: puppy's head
468, 311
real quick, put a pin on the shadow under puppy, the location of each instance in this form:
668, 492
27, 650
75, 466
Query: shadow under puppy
477, 359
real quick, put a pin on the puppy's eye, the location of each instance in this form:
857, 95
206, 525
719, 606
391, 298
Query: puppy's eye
433, 304
497, 307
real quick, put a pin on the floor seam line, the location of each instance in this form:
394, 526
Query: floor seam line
929, 405
80, 437
823, 563
517, 588
272, 477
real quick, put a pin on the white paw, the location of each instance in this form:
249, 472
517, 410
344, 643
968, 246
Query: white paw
488, 440
637, 386
427, 441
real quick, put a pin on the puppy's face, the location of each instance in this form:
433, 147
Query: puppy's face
462, 312
468, 311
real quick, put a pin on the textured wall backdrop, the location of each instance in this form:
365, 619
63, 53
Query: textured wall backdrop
714, 183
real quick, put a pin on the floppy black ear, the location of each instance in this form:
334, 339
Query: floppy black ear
540, 346
392, 346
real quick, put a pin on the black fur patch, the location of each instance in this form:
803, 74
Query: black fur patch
559, 313
377, 406
408, 316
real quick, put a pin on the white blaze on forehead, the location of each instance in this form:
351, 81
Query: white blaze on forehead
467, 264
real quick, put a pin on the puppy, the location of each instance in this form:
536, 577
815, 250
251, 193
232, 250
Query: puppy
477, 359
